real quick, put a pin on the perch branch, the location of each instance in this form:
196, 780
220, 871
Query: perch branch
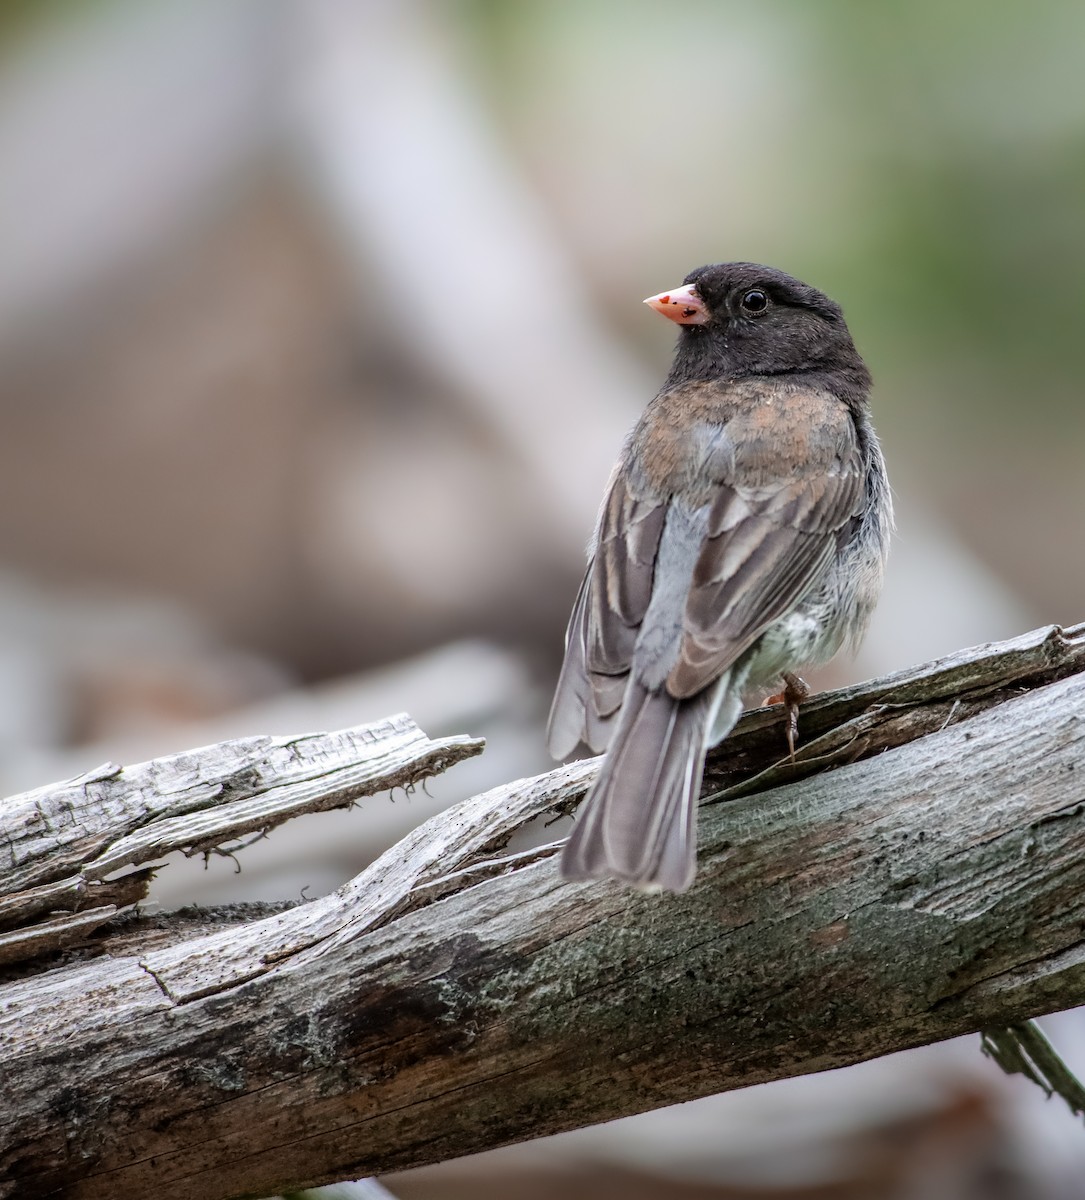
914, 875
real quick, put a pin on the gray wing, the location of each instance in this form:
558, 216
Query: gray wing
763, 549
606, 618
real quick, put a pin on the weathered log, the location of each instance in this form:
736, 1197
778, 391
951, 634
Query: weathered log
914, 875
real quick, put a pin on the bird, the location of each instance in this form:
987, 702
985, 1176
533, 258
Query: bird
742, 536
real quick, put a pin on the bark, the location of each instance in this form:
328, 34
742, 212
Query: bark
912, 876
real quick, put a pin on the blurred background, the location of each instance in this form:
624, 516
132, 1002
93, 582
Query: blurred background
320, 328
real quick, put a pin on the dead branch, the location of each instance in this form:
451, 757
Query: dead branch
913, 876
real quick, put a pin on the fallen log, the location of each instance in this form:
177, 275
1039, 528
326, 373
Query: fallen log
911, 876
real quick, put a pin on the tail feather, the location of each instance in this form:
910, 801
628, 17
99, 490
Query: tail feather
638, 822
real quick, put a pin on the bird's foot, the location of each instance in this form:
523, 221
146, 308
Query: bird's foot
796, 690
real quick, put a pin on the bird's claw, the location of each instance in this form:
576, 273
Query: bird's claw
796, 690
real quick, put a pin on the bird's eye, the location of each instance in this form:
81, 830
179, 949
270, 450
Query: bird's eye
754, 302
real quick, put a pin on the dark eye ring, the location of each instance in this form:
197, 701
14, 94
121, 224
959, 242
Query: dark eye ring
755, 302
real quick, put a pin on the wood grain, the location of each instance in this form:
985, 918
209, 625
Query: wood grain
914, 876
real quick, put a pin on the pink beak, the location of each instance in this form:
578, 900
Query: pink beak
683, 306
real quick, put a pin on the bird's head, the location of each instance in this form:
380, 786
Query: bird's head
742, 319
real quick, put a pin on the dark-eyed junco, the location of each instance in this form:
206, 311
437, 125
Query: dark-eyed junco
742, 535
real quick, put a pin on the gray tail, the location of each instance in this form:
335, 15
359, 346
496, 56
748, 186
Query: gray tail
638, 822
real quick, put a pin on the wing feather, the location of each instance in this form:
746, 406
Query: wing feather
605, 621
758, 567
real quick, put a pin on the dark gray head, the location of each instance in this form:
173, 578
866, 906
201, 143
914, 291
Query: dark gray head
742, 319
